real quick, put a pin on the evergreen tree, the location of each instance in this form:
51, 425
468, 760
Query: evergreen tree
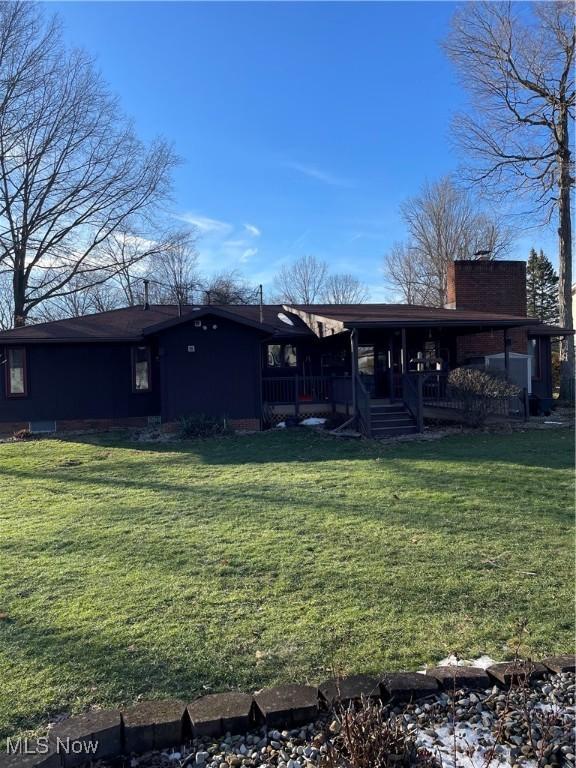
541, 288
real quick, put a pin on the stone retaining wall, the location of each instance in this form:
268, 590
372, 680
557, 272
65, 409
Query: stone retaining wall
150, 725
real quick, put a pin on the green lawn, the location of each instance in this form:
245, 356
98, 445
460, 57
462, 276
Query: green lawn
133, 570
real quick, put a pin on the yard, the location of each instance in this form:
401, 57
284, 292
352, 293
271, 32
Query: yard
130, 569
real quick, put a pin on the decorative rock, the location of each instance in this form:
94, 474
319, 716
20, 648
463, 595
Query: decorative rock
153, 725
460, 677
95, 735
293, 704
405, 686
509, 672
560, 664
347, 689
217, 713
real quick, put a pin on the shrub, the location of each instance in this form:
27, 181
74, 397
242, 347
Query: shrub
369, 737
201, 425
479, 392
23, 434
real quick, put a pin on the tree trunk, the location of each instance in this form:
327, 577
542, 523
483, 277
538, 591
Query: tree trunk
19, 288
565, 265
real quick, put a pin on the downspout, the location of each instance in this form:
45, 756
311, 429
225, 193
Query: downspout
354, 366
507, 344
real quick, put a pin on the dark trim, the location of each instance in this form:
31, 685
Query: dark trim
17, 395
480, 325
18, 342
135, 389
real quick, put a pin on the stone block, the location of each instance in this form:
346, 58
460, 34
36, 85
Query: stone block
288, 704
509, 672
153, 725
346, 689
92, 736
557, 664
217, 713
460, 677
407, 686
31, 754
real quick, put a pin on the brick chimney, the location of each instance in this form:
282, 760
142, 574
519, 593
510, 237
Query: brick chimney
488, 286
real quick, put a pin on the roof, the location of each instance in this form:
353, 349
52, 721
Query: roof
549, 330
366, 315
135, 323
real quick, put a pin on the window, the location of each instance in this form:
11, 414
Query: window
141, 381
366, 361
281, 356
16, 372
534, 352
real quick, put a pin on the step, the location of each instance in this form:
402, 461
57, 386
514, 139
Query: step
388, 408
382, 423
391, 416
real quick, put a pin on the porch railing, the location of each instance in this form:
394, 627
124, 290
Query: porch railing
412, 394
363, 408
342, 390
436, 393
297, 389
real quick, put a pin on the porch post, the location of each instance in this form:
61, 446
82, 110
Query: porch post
507, 343
391, 366
354, 364
404, 358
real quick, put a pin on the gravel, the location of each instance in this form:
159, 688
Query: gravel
522, 728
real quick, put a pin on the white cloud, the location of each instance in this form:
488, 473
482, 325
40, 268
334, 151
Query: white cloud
252, 230
222, 245
248, 254
204, 224
313, 172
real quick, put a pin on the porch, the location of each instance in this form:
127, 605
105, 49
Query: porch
384, 382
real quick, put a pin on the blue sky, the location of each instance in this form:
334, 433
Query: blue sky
302, 126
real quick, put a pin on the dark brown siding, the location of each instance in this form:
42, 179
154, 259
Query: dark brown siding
220, 378
78, 381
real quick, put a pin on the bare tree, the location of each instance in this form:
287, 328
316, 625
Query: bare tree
229, 288
72, 171
344, 288
6, 302
173, 271
442, 225
301, 282
517, 62
86, 298
137, 258
407, 272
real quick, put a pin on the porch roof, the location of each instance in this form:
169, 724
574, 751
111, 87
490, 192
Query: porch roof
402, 315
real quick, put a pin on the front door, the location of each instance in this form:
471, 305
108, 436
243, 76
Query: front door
373, 369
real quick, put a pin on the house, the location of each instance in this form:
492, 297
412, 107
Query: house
380, 364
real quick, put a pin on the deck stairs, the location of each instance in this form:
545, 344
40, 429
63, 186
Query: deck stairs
390, 419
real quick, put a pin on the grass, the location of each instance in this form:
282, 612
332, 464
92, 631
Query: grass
133, 570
